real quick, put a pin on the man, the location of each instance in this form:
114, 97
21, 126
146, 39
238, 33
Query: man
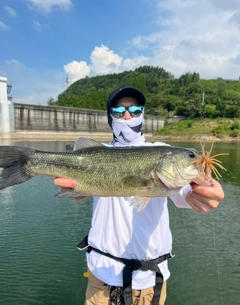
128, 251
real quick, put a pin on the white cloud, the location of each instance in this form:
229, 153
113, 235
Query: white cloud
36, 87
10, 11
236, 59
194, 35
235, 18
39, 94
45, 6
40, 27
138, 42
3, 26
104, 61
77, 70
14, 63
189, 35
31, 86
225, 4
37, 25
133, 63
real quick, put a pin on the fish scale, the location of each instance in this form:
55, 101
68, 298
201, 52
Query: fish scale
142, 172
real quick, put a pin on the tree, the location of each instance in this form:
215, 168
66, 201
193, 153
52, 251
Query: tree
51, 101
183, 95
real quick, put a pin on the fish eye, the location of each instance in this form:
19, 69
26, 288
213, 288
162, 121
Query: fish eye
191, 154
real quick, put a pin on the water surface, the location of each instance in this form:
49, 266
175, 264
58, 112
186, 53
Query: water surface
39, 262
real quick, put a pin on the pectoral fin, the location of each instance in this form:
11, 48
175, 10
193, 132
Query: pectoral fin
139, 202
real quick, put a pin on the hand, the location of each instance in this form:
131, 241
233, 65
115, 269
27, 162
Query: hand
205, 198
68, 183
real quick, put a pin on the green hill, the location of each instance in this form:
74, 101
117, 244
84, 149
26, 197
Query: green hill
188, 95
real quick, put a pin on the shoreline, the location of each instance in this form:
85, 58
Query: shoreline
195, 138
107, 137
48, 136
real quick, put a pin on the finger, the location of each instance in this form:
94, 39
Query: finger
193, 206
81, 197
197, 204
64, 182
204, 203
214, 193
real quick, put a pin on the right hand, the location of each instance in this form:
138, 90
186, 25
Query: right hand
68, 183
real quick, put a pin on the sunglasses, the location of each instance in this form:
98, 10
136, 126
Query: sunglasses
119, 111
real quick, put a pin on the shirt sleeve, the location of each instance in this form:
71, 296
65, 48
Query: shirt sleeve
179, 198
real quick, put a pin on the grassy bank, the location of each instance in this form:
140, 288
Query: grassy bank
221, 128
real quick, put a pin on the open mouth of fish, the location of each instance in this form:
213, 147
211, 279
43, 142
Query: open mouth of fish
160, 181
165, 184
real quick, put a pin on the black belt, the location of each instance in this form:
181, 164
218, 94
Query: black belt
143, 265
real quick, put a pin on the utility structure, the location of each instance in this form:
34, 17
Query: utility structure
203, 99
6, 110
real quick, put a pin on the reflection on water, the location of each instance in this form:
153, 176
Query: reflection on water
39, 262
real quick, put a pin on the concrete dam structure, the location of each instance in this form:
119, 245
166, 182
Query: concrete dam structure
39, 123
44, 120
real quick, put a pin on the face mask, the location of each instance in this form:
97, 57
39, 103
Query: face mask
127, 132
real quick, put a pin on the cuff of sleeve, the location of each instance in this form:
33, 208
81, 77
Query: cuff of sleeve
179, 198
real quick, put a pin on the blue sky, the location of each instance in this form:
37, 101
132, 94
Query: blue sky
44, 41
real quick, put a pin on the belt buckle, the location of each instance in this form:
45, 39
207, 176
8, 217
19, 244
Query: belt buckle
137, 265
144, 265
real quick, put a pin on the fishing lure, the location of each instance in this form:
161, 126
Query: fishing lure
207, 163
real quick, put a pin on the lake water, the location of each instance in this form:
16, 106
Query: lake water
39, 262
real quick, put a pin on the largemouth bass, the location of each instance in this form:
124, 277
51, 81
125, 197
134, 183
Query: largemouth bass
142, 172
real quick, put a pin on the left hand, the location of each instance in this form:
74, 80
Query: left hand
205, 198
68, 183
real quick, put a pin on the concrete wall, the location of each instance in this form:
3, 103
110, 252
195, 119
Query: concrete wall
35, 118
6, 111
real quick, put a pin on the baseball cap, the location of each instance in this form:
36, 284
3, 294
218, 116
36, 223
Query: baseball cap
124, 91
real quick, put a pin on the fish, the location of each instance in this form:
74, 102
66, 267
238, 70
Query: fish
140, 172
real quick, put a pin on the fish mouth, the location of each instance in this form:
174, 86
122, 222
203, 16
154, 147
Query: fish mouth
164, 183
160, 181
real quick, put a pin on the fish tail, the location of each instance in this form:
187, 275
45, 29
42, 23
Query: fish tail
13, 160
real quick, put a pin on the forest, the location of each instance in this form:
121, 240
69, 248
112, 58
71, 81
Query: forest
188, 95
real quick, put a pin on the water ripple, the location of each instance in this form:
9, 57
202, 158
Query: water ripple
39, 262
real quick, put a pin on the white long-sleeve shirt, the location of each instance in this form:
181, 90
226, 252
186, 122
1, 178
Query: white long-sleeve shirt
120, 230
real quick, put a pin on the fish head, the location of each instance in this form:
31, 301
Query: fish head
178, 167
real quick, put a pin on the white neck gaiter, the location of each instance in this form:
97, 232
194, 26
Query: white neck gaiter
127, 132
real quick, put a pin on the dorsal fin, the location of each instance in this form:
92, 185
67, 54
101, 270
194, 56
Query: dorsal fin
85, 142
